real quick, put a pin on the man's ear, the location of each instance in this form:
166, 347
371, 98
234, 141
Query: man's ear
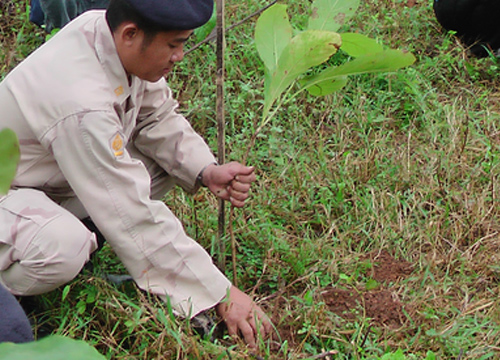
128, 34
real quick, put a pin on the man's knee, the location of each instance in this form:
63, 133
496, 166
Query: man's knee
54, 257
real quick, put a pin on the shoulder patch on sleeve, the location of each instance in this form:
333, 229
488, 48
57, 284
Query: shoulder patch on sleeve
116, 143
119, 90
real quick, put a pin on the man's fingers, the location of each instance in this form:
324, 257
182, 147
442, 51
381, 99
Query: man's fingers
238, 195
267, 324
261, 321
236, 203
243, 317
246, 170
245, 178
232, 329
240, 186
257, 327
222, 193
236, 198
248, 333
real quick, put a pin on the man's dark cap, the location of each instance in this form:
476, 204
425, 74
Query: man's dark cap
175, 14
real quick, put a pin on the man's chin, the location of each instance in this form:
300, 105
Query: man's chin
152, 79
166, 73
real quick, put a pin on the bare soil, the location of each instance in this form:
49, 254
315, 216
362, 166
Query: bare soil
380, 306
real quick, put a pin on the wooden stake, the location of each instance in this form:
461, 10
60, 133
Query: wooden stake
221, 128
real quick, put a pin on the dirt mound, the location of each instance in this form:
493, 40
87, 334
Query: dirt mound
385, 268
381, 305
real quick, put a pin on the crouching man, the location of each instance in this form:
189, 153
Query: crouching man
100, 137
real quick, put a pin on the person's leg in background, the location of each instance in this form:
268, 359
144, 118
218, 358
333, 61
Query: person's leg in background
14, 325
36, 13
57, 13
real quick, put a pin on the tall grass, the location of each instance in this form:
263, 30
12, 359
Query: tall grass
405, 162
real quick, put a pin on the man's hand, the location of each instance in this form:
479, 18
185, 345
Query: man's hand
230, 181
243, 316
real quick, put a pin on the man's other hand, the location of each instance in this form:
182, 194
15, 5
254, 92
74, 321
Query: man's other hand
243, 317
230, 181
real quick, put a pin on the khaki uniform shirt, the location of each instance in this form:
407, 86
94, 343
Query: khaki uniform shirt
74, 112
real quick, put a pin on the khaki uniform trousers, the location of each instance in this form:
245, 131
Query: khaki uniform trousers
44, 245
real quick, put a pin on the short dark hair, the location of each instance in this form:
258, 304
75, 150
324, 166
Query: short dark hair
120, 11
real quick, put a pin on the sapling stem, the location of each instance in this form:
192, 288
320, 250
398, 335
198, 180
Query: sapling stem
266, 119
263, 123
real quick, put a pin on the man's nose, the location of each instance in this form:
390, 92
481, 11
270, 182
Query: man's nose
178, 54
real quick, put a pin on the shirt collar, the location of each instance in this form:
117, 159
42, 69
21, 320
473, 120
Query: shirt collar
108, 57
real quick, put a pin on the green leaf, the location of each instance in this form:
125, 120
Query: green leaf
203, 31
328, 87
309, 48
355, 44
372, 284
398, 355
330, 15
9, 157
52, 347
430, 356
273, 33
65, 292
387, 60
345, 278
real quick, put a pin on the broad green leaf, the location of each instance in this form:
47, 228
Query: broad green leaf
273, 33
330, 15
328, 87
52, 347
387, 60
203, 31
355, 44
309, 48
9, 157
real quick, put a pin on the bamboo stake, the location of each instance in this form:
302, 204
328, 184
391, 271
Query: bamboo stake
221, 131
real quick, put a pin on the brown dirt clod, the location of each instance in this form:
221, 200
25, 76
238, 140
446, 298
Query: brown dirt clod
381, 305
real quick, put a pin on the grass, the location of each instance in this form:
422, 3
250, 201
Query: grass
407, 162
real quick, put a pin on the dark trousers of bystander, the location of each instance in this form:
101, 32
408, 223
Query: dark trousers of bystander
54, 14
14, 325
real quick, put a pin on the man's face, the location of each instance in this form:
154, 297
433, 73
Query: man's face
150, 61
